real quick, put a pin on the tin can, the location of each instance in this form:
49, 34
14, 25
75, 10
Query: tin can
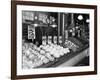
49, 39
60, 39
44, 40
55, 39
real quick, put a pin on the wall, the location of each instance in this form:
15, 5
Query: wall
5, 40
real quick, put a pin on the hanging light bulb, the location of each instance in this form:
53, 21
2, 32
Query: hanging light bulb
87, 20
80, 17
35, 25
71, 30
54, 25
76, 27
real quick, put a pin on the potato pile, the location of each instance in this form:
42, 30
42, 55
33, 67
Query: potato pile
34, 56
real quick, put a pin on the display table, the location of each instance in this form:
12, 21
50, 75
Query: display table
69, 59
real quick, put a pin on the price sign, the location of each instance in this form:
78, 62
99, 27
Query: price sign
31, 32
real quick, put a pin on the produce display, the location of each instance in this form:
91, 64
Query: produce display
49, 39
71, 45
34, 56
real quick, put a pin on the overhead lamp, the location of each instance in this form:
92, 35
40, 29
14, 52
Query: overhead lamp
87, 20
53, 25
35, 25
71, 30
35, 22
76, 27
80, 17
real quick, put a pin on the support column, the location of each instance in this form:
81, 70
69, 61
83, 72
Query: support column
63, 28
58, 28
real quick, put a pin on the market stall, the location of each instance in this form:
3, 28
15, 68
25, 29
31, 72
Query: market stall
53, 39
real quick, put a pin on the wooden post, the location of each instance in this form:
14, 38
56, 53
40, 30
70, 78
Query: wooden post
58, 28
63, 27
